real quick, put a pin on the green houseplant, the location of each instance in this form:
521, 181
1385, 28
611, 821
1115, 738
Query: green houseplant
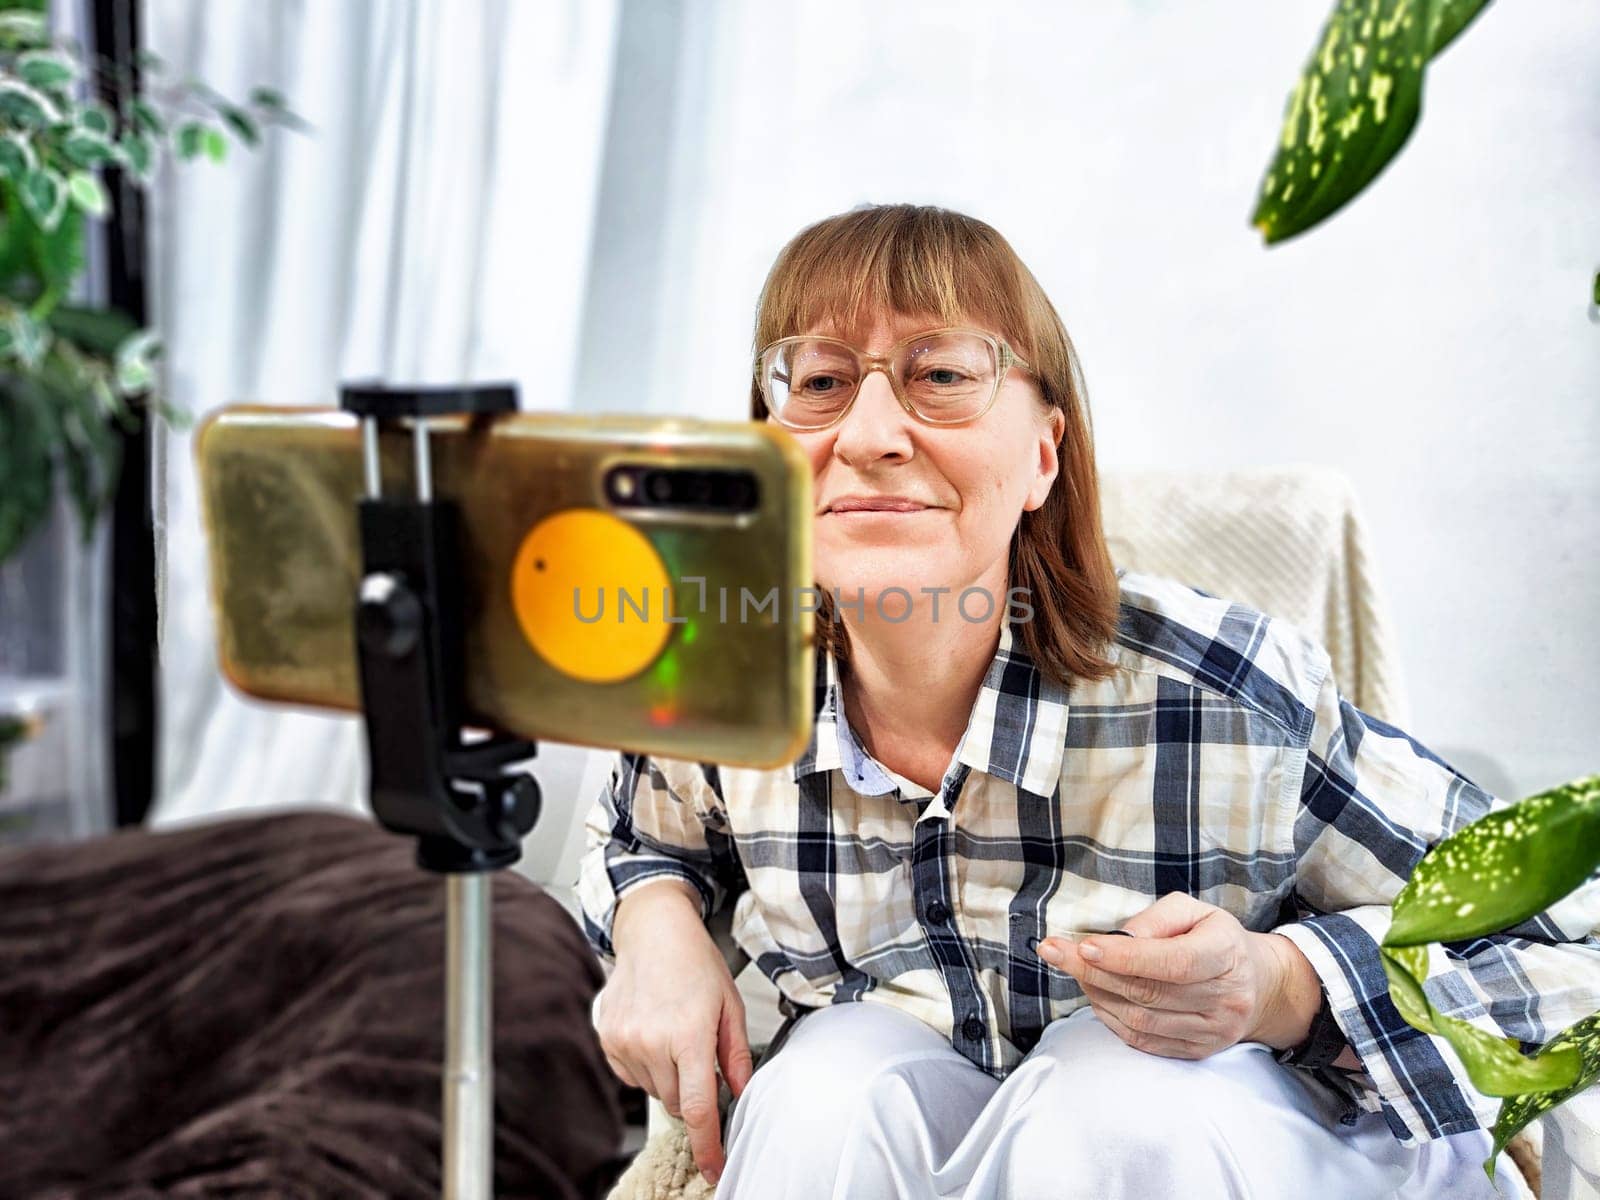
73, 376
1357, 100
70, 375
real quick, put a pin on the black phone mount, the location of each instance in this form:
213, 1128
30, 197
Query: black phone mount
467, 812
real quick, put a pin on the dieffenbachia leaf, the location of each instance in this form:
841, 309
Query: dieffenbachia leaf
1355, 105
1447, 18
1503, 868
1496, 1065
1517, 1111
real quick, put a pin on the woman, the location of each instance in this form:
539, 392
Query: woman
1019, 753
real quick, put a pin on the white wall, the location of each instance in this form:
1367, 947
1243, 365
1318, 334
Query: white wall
1432, 341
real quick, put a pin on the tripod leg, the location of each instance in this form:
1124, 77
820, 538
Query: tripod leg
469, 1065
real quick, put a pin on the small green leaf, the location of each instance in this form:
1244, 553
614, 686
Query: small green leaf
86, 148
191, 139
134, 373
26, 106
216, 145
265, 97
242, 124
148, 119
1503, 868
149, 60
88, 193
97, 117
137, 154
1597, 288
21, 28
16, 157
45, 69
44, 195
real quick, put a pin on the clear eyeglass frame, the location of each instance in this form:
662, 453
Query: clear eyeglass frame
1004, 356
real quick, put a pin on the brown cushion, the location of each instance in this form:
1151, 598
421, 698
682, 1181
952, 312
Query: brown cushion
256, 1005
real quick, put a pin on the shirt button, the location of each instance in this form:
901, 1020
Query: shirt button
972, 1028
937, 913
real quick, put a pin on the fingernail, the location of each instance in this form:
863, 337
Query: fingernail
1050, 953
1089, 950
712, 1175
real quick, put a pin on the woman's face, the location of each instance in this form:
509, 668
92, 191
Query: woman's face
970, 484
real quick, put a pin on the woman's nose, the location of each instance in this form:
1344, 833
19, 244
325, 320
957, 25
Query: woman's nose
876, 423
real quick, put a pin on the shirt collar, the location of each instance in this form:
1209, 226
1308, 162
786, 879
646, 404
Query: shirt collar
1016, 731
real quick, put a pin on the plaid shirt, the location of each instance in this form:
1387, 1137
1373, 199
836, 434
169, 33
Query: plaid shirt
1221, 761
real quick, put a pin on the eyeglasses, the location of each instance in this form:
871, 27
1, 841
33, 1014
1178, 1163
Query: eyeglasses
942, 377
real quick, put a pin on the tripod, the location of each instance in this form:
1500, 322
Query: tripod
468, 813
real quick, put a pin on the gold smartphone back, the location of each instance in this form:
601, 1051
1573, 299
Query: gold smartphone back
731, 679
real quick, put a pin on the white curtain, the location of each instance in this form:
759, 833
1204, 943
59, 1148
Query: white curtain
433, 226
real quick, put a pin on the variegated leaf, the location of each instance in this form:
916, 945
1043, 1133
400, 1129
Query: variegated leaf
1354, 106
1503, 868
1517, 1111
1495, 1064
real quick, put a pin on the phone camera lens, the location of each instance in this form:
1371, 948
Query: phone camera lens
658, 486
622, 486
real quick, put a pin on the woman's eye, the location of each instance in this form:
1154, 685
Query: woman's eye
943, 376
819, 383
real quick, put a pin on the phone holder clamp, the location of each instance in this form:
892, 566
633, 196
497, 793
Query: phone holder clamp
455, 797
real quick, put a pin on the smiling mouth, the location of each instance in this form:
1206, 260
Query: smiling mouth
865, 517
859, 506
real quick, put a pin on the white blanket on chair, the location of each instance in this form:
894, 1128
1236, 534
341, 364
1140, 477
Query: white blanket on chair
1286, 540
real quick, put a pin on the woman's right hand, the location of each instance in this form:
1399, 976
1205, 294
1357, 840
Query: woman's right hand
670, 1013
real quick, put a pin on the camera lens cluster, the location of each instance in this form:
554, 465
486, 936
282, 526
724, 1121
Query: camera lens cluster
703, 489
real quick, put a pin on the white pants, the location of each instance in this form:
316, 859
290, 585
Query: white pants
863, 1102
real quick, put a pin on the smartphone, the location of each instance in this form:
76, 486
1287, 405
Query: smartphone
706, 523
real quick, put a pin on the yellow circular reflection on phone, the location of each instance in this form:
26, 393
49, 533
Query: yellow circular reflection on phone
591, 595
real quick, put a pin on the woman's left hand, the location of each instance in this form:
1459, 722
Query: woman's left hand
1190, 981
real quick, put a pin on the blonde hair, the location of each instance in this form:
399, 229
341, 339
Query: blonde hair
916, 260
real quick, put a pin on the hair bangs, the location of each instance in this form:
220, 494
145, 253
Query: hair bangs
844, 273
